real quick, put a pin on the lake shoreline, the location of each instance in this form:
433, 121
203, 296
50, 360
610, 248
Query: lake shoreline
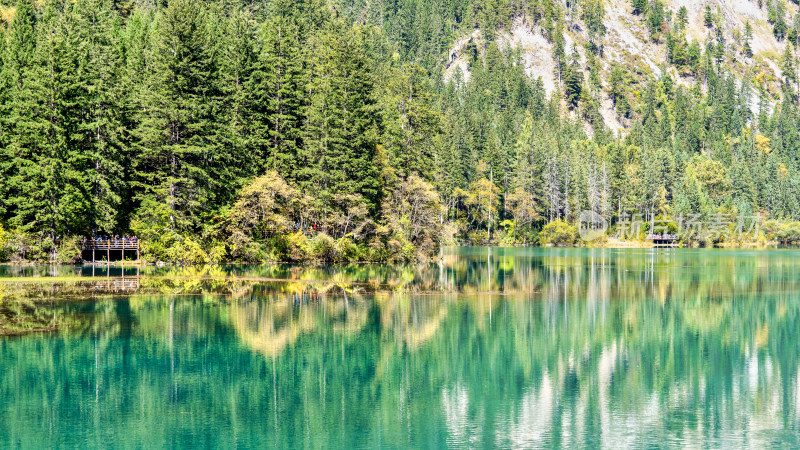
608, 244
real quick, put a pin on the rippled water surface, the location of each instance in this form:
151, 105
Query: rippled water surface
489, 348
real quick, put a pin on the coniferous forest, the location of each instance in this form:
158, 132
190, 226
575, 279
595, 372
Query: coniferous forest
221, 130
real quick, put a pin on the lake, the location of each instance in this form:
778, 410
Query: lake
488, 348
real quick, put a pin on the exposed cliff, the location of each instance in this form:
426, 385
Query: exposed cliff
753, 53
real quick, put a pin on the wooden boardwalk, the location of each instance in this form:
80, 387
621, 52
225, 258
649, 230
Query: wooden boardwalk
664, 240
106, 246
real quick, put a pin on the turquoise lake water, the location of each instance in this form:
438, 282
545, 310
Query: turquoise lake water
510, 348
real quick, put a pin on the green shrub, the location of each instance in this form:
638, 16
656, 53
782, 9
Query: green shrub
242, 248
69, 250
345, 250
394, 249
276, 248
187, 251
28, 247
217, 253
159, 247
5, 250
527, 235
785, 233
449, 231
478, 237
427, 249
322, 247
558, 233
298, 247
408, 253
375, 249
153, 250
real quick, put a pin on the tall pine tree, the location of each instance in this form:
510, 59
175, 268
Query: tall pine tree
340, 141
176, 151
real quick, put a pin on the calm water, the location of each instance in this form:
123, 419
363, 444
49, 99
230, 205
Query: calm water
490, 348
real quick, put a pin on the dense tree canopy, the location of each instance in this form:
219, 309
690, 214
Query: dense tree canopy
164, 117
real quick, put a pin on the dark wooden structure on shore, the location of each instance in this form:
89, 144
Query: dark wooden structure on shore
664, 240
109, 247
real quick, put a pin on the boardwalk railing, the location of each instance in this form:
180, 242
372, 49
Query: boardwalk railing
664, 240
112, 244
109, 245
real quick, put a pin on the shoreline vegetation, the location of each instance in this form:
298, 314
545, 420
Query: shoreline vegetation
260, 230
206, 128
321, 249
31, 297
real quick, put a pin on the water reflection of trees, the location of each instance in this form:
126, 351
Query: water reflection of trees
579, 348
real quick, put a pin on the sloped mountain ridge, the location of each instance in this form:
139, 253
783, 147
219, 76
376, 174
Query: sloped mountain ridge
627, 41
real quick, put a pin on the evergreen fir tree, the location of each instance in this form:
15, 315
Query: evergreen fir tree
593, 13
237, 63
49, 187
174, 140
788, 65
655, 17
338, 156
573, 81
776, 15
748, 38
410, 120
639, 6
101, 132
19, 45
277, 84
683, 18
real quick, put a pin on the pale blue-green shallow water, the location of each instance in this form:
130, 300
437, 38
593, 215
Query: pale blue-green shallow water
509, 348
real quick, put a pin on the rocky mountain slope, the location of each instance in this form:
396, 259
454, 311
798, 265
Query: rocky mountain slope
628, 42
